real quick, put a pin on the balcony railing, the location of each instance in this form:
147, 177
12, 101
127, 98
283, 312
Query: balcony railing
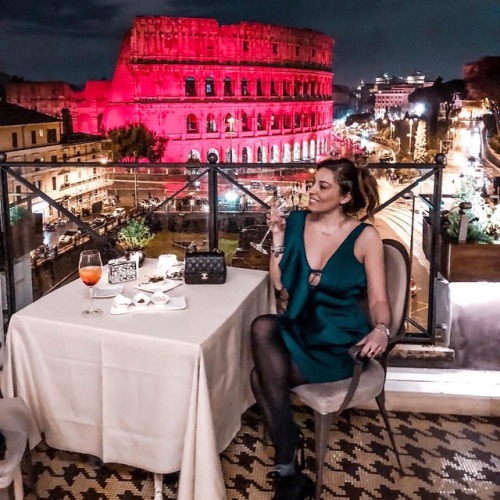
216, 201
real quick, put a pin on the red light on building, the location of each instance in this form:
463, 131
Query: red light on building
248, 92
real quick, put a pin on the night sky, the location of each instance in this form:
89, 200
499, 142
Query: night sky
76, 41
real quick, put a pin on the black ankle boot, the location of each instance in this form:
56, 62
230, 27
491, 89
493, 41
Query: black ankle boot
295, 487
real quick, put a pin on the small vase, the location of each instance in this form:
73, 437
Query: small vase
140, 252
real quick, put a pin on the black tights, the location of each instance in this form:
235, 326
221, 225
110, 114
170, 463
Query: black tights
272, 378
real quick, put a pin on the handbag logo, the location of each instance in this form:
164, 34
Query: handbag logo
204, 276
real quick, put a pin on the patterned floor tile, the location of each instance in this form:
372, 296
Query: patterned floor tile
444, 457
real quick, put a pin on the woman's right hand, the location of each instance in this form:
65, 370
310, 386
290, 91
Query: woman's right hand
275, 222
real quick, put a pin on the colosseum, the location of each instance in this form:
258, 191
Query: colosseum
248, 92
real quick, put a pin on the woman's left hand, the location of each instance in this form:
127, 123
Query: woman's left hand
374, 343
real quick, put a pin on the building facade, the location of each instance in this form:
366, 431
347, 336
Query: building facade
248, 92
391, 94
27, 136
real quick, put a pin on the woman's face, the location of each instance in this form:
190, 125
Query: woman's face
325, 194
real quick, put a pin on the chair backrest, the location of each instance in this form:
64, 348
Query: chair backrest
397, 272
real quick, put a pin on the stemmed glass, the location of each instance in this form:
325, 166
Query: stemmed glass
90, 269
281, 208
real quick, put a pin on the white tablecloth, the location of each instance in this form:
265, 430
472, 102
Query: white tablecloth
159, 390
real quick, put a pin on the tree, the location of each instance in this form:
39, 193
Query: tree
439, 94
420, 151
133, 143
482, 78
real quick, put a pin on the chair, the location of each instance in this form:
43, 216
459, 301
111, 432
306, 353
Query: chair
15, 424
330, 399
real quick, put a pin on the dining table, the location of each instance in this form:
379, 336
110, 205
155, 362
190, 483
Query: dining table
153, 388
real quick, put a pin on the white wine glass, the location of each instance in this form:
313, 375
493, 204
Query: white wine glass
279, 207
90, 270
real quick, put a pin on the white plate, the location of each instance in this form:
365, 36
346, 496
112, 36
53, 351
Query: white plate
106, 291
173, 304
161, 286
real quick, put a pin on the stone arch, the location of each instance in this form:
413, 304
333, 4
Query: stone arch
216, 152
275, 154
209, 86
296, 151
312, 149
211, 123
246, 155
193, 155
190, 86
305, 150
191, 124
287, 153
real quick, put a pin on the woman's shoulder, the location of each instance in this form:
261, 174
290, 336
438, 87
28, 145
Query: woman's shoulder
367, 235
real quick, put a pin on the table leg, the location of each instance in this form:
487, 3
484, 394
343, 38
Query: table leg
158, 479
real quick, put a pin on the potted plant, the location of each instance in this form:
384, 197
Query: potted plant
477, 259
134, 237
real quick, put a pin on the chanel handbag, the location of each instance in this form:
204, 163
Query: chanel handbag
205, 268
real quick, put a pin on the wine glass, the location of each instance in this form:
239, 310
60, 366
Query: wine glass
90, 269
279, 207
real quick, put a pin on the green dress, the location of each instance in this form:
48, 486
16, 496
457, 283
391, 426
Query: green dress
323, 321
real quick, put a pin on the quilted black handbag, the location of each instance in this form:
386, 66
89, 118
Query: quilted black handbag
205, 268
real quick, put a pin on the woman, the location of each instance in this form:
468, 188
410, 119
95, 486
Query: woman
330, 266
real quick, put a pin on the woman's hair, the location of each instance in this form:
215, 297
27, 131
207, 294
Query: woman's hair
358, 181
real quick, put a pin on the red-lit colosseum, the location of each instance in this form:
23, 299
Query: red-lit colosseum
249, 92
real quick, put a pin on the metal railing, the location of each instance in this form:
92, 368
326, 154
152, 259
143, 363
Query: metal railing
215, 171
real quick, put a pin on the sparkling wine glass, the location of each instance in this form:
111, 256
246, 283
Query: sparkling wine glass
90, 269
279, 207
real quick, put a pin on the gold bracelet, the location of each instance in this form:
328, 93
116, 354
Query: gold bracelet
383, 328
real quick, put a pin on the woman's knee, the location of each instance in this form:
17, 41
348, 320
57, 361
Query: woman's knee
263, 328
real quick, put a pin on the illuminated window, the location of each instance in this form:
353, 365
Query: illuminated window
296, 152
275, 125
244, 87
244, 123
260, 124
275, 154
193, 156
229, 125
211, 125
191, 124
190, 87
209, 87
244, 155
227, 86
